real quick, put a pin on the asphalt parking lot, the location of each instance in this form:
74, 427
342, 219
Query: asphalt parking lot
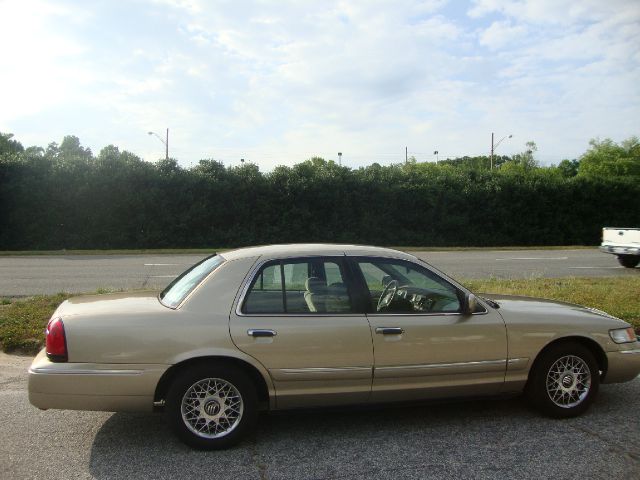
497, 439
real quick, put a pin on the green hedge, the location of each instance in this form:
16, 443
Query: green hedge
116, 200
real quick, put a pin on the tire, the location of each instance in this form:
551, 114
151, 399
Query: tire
564, 380
211, 407
628, 261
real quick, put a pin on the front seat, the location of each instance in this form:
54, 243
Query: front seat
316, 294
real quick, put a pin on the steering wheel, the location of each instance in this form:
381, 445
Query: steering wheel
388, 293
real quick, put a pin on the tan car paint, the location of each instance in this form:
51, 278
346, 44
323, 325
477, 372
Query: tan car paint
313, 359
148, 339
438, 355
120, 345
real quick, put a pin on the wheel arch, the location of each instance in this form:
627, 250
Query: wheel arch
262, 388
590, 344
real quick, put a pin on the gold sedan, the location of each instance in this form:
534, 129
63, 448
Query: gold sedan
289, 326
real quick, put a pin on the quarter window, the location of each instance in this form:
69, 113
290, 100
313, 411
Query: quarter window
301, 286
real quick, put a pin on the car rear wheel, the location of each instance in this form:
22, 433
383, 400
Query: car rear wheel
211, 407
628, 261
564, 380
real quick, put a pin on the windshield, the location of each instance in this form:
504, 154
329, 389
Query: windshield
178, 290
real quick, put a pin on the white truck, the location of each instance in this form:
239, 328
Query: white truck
624, 243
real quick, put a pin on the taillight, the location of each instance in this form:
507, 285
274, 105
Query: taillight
56, 341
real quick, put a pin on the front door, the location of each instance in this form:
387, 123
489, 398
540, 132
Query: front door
296, 318
425, 347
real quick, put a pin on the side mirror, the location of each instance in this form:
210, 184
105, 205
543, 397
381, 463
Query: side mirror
470, 303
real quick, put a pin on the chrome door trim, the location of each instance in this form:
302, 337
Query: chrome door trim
315, 374
435, 369
517, 363
631, 352
54, 371
427, 366
295, 371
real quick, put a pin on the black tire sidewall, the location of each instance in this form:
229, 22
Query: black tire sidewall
536, 389
185, 379
628, 261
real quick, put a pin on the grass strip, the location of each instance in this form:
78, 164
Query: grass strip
618, 296
22, 321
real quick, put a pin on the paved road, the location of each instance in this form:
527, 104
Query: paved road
86, 273
499, 439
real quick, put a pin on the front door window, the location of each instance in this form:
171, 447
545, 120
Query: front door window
397, 286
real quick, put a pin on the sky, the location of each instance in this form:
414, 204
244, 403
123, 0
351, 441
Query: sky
277, 82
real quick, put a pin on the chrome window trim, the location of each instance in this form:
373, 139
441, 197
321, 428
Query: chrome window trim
197, 287
244, 289
434, 271
426, 314
314, 315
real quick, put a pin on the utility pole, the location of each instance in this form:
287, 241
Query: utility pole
166, 143
406, 155
493, 147
340, 158
166, 146
491, 167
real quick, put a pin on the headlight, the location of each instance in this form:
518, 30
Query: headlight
623, 335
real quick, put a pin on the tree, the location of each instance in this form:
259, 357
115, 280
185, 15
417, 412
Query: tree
606, 158
569, 168
524, 161
8, 145
70, 150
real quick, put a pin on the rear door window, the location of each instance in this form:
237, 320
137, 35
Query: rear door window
299, 286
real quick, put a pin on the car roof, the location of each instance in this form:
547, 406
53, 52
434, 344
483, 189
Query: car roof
313, 249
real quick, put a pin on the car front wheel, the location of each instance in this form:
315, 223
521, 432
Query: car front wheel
564, 380
211, 407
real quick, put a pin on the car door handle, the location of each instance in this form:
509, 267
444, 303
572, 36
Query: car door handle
256, 332
389, 330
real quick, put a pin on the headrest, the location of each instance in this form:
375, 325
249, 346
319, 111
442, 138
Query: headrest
315, 285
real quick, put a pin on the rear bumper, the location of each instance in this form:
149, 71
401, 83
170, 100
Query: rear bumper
624, 365
620, 250
87, 386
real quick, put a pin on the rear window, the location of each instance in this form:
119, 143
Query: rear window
178, 290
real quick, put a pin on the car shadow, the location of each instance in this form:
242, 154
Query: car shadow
141, 445
445, 439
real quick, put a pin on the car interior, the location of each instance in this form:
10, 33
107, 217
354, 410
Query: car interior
318, 286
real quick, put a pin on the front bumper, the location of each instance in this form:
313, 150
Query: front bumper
623, 365
620, 250
88, 386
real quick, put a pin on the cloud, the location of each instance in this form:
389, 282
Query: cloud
500, 34
38, 65
277, 82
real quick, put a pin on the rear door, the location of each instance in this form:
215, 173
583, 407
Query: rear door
296, 317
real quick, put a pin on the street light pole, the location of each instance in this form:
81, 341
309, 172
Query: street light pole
494, 147
165, 142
